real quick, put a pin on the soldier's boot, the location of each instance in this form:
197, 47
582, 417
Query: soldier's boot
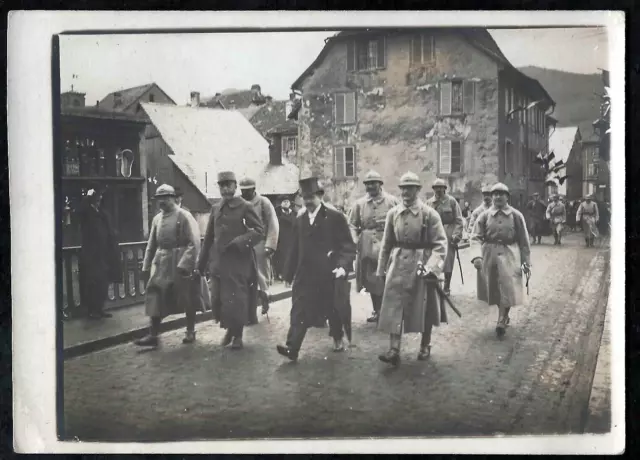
447, 283
190, 335
228, 337
151, 340
539, 240
559, 239
502, 322
555, 238
376, 300
393, 355
586, 240
236, 343
425, 345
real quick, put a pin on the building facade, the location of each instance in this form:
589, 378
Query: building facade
439, 102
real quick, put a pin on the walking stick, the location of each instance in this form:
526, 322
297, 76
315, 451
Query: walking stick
459, 263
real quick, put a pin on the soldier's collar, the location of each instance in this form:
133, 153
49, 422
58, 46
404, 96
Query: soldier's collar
377, 199
414, 208
233, 202
506, 210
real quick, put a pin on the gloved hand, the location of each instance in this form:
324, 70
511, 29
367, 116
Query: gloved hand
269, 252
455, 240
477, 263
339, 272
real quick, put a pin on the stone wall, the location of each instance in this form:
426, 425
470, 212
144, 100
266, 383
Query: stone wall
398, 123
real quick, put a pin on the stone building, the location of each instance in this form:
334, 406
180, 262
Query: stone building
439, 102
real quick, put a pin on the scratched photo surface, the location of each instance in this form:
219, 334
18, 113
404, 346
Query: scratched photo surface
340, 233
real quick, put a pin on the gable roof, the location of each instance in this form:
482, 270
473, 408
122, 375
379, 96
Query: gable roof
238, 99
561, 142
128, 97
477, 36
206, 141
271, 119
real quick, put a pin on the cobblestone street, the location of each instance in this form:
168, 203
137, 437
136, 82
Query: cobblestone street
535, 381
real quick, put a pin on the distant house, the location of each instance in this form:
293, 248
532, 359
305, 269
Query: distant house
188, 146
565, 143
70, 99
237, 99
440, 102
595, 172
129, 100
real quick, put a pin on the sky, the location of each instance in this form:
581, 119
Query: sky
210, 63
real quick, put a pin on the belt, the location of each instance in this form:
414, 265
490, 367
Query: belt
414, 246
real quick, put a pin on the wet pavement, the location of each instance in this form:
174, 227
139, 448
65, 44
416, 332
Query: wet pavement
535, 381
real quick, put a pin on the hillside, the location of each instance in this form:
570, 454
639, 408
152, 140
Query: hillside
576, 101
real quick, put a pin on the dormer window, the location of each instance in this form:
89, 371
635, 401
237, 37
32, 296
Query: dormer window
366, 54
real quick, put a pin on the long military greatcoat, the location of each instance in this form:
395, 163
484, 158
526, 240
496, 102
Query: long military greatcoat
557, 215
411, 235
588, 216
367, 218
451, 217
267, 213
536, 211
233, 229
173, 246
475, 214
501, 239
316, 250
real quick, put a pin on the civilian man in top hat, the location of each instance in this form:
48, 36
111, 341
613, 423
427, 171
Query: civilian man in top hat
414, 246
501, 244
367, 219
451, 216
322, 251
267, 247
99, 260
588, 216
233, 230
557, 215
487, 201
323, 198
169, 266
536, 211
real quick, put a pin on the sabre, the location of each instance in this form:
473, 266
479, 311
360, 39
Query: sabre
431, 279
446, 297
527, 274
459, 263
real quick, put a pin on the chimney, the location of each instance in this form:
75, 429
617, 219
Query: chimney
288, 106
195, 99
257, 96
117, 98
275, 154
98, 104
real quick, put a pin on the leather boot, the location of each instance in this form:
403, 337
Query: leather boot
502, 323
393, 355
189, 337
151, 340
539, 240
425, 345
226, 340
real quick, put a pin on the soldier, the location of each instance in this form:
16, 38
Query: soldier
588, 216
536, 211
367, 219
451, 217
265, 249
501, 241
234, 228
170, 267
414, 238
322, 252
486, 204
557, 216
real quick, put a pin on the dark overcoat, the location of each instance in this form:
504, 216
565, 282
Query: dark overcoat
316, 250
233, 230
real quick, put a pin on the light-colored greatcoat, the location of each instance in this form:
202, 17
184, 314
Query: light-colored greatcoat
451, 216
557, 214
475, 214
367, 219
267, 213
501, 239
403, 300
174, 243
588, 214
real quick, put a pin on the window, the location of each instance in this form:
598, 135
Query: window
345, 109
289, 145
423, 49
345, 162
450, 158
457, 97
592, 169
366, 54
591, 188
152, 98
508, 157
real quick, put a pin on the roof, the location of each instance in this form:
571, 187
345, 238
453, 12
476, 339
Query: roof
476, 36
101, 113
561, 142
128, 97
206, 141
233, 98
271, 119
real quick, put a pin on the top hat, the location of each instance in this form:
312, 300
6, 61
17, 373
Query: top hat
309, 186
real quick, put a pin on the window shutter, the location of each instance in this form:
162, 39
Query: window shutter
339, 161
349, 162
445, 157
445, 98
382, 53
351, 56
339, 109
469, 96
432, 48
416, 49
350, 108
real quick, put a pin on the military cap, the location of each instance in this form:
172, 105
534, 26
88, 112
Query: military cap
309, 186
536, 194
439, 183
247, 183
226, 176
165, 190
410, 179
372, 176
486, 189
500, 188
589, 197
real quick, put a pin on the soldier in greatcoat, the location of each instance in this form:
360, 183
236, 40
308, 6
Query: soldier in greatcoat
557, 216
169, 265
413, 237
267, 247
588, 216
322, 254
486, 204
451, 217
233, 230
367, 218
501, 244
536, 211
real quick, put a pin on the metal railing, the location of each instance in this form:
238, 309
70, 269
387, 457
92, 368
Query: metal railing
129, 292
